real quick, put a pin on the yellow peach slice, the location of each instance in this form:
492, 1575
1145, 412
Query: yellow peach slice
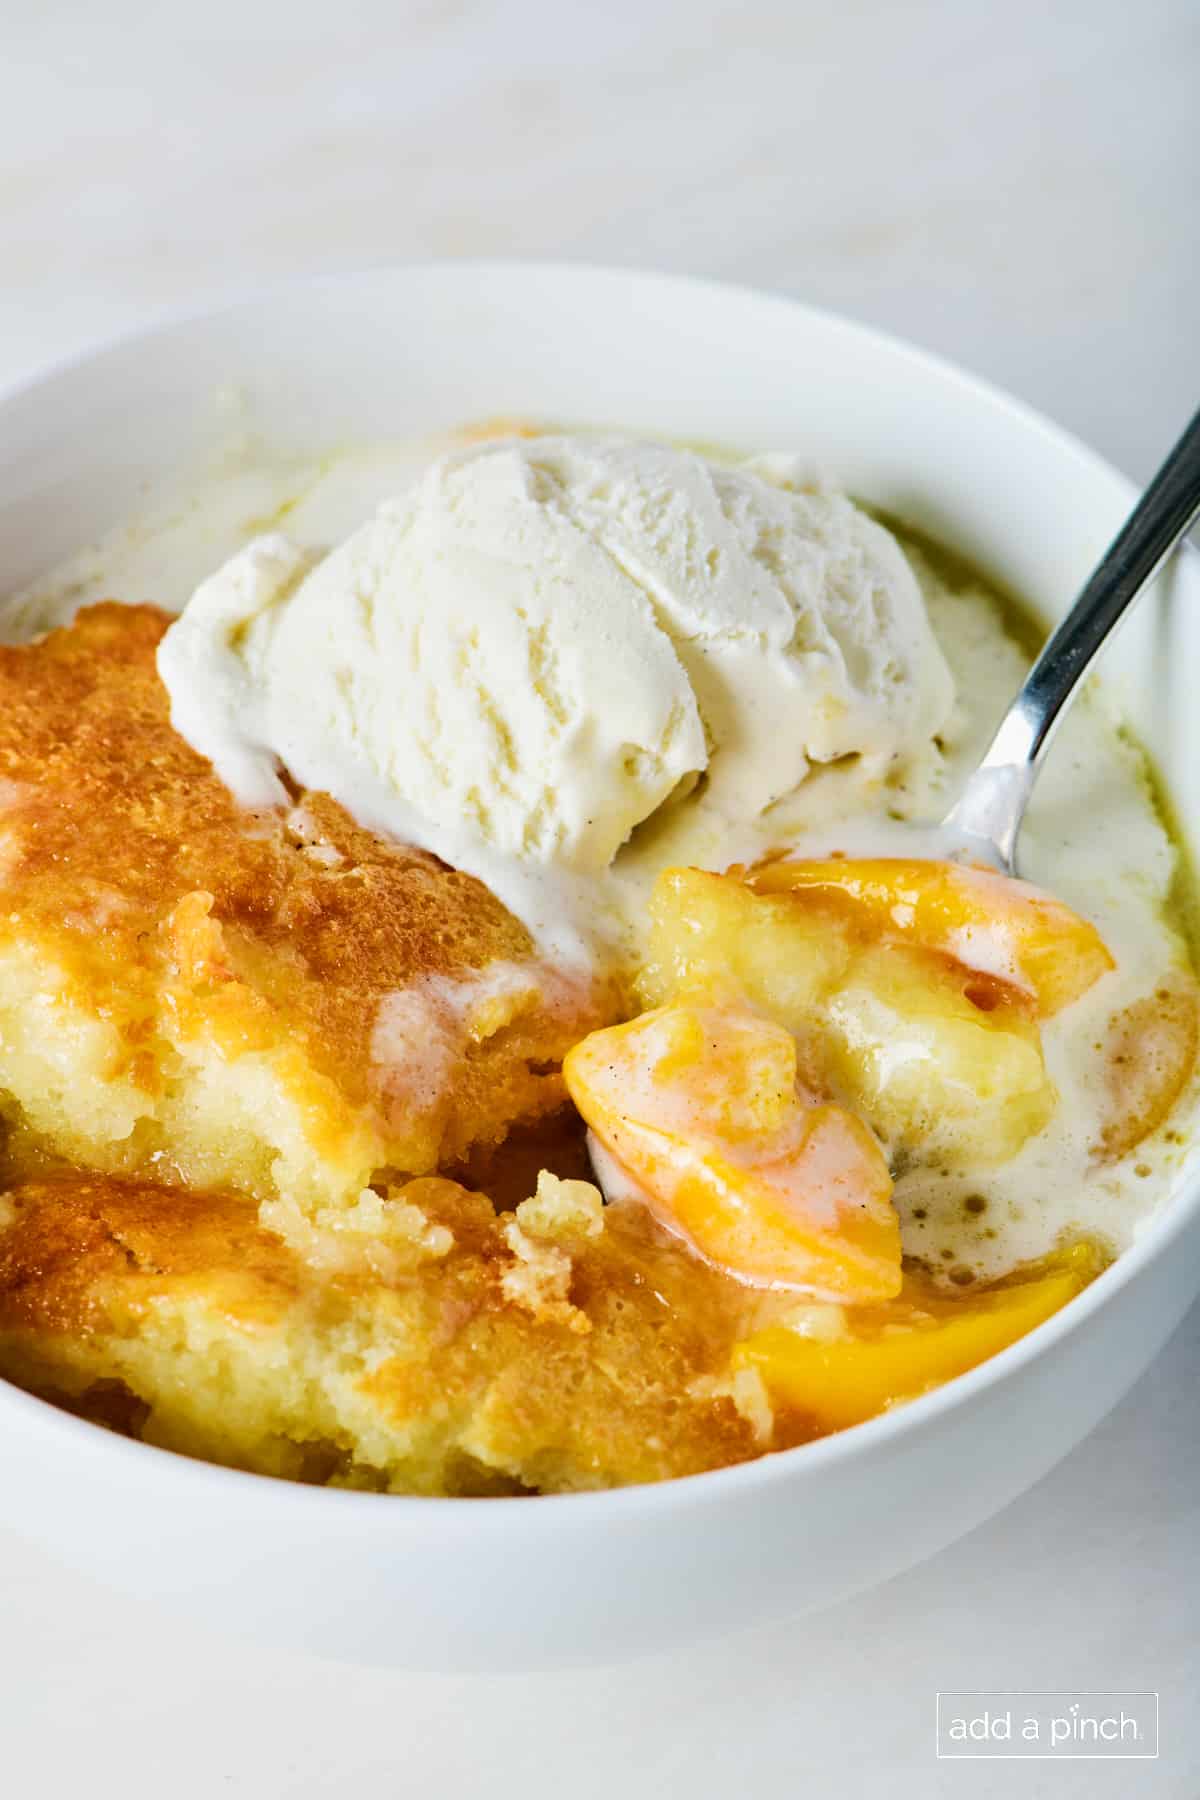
1149, 1056
698, 1105
933, 1055
894, 1353
1003, 927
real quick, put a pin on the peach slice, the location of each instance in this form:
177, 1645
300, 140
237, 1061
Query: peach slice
894, 1353
935, 1056
1149, 1056
1003, 927
699, 1106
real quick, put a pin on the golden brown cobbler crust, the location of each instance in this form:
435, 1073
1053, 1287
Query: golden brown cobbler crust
174, 1314
412, 1337
124, 859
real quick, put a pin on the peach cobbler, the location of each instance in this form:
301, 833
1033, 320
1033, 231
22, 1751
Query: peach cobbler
477, 1013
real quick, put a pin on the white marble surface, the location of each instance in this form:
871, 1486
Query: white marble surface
1011, 185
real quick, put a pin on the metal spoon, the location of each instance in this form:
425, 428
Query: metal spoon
990, 808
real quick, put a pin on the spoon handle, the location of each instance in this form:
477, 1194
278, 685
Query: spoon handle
994, 799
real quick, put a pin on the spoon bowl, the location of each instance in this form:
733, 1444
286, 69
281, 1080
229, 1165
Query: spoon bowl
988, 813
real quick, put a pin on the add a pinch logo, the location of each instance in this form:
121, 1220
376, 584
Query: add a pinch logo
1069, 1725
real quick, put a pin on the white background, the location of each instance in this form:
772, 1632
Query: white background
1013, 184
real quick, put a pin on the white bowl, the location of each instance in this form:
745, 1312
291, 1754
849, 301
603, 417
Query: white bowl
440, 1583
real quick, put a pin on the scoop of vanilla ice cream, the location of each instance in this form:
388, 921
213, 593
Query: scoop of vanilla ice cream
797, 618
470, 654
549, 637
